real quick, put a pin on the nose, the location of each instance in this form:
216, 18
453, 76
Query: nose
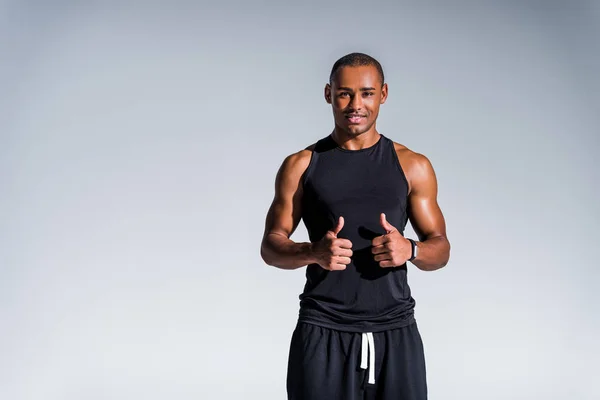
356, 102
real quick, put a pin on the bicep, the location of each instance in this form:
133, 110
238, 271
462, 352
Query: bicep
424, 212
285, 211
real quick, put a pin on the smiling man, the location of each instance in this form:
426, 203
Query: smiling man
356, 189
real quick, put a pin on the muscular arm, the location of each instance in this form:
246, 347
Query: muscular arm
284, 215
426, 217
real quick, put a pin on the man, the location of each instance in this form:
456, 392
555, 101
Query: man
355, 190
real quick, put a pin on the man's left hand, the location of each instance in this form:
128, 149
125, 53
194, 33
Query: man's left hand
391, 249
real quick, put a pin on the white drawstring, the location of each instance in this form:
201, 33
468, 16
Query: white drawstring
368, 345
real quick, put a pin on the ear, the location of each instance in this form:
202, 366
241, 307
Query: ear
327, 93
384, 93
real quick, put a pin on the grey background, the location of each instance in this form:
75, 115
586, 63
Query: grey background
138, 151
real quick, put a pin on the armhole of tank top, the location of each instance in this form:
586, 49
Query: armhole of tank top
309, 168
399, 166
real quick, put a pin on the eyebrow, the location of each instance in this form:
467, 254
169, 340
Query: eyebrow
361, 89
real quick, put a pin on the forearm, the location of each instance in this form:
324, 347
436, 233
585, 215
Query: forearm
433, 253
281, 252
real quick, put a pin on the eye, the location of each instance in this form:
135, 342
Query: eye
343, 94
369, 93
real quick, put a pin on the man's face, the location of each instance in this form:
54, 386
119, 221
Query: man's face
355, 95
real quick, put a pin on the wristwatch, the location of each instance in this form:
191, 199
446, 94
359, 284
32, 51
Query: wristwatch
414, 250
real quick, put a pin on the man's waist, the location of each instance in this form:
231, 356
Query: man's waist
327, 316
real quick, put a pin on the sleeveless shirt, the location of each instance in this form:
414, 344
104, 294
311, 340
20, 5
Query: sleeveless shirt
358, 185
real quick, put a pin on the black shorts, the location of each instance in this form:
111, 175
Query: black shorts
326, 364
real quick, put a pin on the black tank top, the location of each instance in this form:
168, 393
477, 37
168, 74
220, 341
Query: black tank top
358, 185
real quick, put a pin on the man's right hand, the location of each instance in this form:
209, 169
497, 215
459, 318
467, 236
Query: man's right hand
332, 253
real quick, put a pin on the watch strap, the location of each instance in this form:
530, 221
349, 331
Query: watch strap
413, 253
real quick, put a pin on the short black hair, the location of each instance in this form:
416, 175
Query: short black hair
356, 60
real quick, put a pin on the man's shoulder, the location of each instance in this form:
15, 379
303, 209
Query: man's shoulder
303, 156
410, 159
416, 166
298, 162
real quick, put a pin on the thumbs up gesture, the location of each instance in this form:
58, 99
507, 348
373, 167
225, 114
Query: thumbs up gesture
333, 253
391, 249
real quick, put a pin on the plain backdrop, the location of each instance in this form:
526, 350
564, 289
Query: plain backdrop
139, 143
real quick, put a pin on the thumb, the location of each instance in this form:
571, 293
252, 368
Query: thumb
386, 225
339, 226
